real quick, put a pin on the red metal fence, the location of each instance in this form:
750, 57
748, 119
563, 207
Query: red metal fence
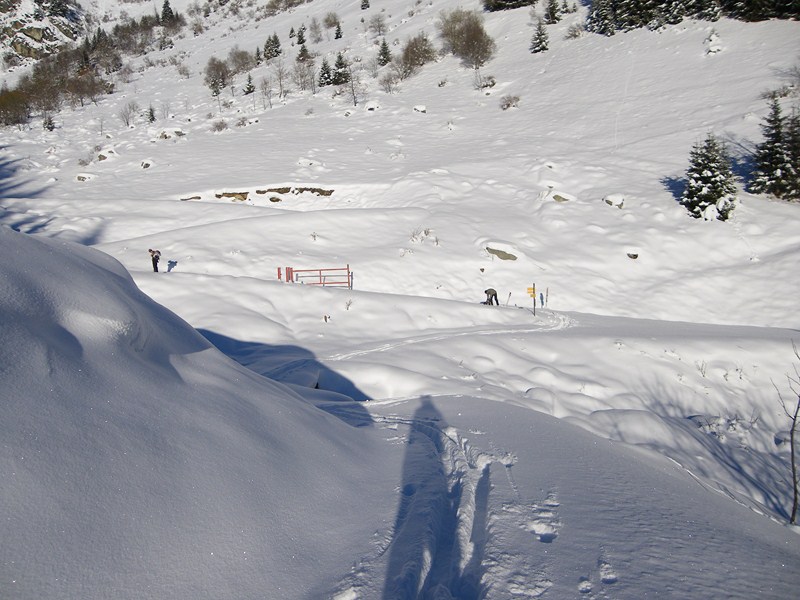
339, 276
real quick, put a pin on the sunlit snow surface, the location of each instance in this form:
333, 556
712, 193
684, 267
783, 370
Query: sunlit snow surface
401, 440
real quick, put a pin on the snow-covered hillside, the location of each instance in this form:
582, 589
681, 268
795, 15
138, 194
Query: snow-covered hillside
400, 440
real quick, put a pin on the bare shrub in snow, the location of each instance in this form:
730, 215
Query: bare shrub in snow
509, 101
417, 52
464, 36
792, 410
128, 112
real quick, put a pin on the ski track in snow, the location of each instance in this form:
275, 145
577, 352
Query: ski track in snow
449, 534
556, 321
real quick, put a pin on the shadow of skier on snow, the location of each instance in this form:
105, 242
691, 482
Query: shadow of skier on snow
425, 552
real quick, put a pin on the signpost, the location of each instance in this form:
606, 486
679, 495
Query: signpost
532, 294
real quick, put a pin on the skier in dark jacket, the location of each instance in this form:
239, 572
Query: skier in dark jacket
491, 297
155, 255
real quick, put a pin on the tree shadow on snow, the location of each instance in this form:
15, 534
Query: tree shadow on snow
20, 220
298, 368
741, 152
722, 440
425, 553
674, 185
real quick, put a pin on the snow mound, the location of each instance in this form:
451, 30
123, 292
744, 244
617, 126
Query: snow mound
137, 458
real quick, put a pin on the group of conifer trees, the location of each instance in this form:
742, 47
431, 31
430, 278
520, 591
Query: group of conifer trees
608, 16
710, 190
78, 75
339, 74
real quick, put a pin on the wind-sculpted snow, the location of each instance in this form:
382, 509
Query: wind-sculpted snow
139, 462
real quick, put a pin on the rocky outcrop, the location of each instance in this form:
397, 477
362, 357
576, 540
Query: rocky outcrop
34, 34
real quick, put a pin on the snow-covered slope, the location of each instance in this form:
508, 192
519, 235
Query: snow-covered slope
144, 464
138, 461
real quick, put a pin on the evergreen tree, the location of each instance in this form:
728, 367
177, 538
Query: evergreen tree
291, 32
705, 10
257, 56
384, 54
337, 35
710, 189
631, 14
325, 74
303, 55
673, 11
793, 149
48, 123
301, 35
495, 5
249, 88
341, 70
750, 10
272, 47
601, 18
167, 15
772, 164
539, 42
364, 4
151, 114
552, 13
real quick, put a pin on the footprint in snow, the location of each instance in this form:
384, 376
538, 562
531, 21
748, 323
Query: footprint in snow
544, 522
607, 573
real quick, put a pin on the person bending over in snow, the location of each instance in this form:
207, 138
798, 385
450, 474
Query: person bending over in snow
155, 255
491, 297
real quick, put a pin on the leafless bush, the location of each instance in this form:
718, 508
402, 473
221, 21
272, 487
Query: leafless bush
303, 75
265, 87
218, 126
282, 73
575, 31
377, 25
464, 36
372, 66
482, 82
389, 83
509, 101
128, 113
239, 60
792, 411
125, 74
417, 52
331, 20
315, 31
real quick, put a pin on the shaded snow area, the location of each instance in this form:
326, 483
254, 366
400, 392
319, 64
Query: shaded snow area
210, 431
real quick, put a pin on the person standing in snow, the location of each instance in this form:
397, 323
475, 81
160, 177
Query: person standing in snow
491, 297
155, 255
